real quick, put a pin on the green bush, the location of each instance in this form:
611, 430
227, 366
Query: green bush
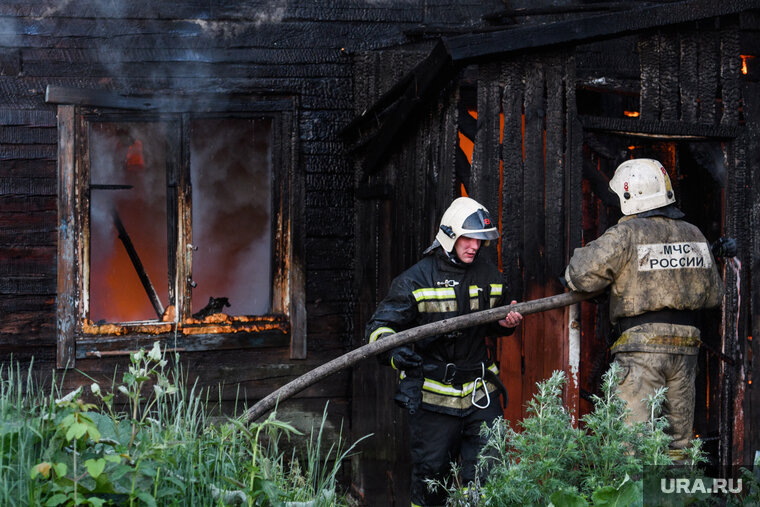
548, 461
164, 449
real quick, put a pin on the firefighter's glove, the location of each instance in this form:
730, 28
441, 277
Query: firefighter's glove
404, 357
724, 248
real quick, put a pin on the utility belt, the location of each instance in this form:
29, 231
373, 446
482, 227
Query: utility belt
453, 374
667, 316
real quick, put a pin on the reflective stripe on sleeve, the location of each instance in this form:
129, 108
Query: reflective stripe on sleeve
377, 333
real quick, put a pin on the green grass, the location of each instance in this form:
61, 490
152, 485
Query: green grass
161, 447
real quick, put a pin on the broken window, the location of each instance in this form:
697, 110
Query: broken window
128, 222
174, 226
230, 174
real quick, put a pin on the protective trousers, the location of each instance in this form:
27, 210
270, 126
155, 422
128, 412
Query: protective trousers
643, 372
437, 441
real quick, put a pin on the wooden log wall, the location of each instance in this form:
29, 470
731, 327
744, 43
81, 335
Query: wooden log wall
694, 77
190, 48
749, 89
398, 208
529, 170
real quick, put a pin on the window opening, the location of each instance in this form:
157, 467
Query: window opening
176, 225
230, 166
129, 278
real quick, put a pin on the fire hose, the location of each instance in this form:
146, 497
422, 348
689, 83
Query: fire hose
408, 336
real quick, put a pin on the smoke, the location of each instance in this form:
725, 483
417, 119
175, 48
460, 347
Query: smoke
710, 157
246, 18
231, 173
61, 7
9, 32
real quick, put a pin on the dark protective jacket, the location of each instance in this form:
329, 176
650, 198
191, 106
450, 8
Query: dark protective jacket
651, 264
436, 288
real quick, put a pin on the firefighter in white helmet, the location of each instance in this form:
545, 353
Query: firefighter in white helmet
449, 383
660, 272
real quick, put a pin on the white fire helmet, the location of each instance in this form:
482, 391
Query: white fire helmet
465, 217
642, 184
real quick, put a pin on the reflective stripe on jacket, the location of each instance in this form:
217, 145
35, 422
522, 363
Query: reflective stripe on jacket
435, 289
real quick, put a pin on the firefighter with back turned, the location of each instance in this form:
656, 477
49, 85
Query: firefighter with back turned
660, 272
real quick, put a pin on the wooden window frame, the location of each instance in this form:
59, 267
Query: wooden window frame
285, 325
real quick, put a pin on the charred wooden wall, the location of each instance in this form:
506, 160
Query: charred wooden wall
567, 120
749, 342
139, 48
398, 207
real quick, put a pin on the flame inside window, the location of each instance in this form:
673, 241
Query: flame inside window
128, 222
135, 219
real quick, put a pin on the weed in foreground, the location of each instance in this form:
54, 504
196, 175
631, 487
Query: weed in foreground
163, 449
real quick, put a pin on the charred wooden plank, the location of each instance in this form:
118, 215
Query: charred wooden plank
554, 231
689, 73
486, 158
27, 261
533, 173
468, 125
27, 151
448, 151
709, 65
730, 73
27, 117
573, 168
475, 46
649, 56
27, 135
659, 129
105, 345
104, 98
669, 75
512, 219
27, 186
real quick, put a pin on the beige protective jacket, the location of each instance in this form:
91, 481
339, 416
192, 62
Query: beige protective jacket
653, 263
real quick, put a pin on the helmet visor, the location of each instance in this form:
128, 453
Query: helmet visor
485, 234
479, 226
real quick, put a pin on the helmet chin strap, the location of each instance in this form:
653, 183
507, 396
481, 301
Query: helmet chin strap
453, 257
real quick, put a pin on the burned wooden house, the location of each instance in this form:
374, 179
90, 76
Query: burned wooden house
241, 180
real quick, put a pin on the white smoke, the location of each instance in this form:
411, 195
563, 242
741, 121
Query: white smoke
246, 18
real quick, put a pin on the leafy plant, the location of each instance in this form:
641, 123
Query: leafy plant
162, 449
546, 460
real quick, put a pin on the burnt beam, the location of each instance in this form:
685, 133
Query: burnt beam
150, 290
659, 129
488, 44
385, 118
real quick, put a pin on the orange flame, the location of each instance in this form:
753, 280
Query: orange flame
745, 58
